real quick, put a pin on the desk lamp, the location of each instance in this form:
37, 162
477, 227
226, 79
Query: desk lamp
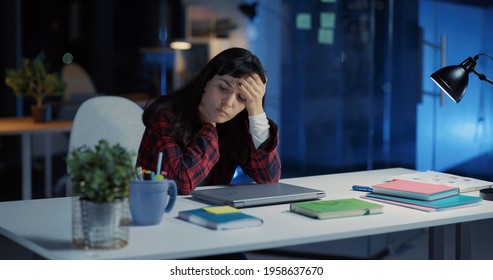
453, 81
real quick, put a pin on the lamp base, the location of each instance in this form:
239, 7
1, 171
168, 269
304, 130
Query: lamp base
486, 194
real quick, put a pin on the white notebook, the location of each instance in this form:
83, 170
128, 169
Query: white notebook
465, 184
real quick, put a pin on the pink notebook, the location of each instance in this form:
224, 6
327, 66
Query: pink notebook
415, 190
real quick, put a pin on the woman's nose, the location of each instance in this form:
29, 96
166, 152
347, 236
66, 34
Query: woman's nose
228, 100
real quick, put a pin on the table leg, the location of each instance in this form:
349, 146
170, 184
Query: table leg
26, 166
463, 234
48, 165
436, 243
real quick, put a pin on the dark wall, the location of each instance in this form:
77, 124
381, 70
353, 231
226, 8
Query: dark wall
406, 83
104, 36
346, 106
8, 25
352, 104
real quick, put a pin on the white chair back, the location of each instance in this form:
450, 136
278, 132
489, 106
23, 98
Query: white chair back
116, 119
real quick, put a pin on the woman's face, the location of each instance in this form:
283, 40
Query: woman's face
221, 100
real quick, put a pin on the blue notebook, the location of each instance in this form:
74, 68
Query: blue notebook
439, 204
224, 221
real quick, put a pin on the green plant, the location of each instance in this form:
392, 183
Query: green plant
32, 80
101, 174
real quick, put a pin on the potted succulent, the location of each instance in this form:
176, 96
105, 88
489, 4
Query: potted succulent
32, 80
100, 177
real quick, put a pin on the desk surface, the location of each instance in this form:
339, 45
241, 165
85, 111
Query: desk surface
15, 126
44, 226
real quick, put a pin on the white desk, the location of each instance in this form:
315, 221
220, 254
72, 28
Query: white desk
25, 127
44, 226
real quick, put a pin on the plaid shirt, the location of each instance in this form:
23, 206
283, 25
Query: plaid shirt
200, 163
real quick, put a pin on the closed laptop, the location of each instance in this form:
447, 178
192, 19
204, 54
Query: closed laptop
249, 195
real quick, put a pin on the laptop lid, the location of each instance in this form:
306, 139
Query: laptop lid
240, 196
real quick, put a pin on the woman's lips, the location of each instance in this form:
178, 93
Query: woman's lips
222, 112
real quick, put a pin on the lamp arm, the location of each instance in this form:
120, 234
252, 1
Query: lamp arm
482, 77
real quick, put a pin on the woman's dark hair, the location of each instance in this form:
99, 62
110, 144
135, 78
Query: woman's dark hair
233, 135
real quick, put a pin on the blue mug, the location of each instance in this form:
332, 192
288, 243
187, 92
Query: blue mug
149, 200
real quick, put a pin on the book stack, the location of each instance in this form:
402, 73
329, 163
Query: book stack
420, 195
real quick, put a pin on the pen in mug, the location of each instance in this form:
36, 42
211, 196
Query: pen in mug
159, 162
146, 175
139, 173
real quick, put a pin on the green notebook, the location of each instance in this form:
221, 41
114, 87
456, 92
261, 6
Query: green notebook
326, 209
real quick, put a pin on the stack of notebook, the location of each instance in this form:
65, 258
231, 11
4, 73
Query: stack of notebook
420, 195
465, 184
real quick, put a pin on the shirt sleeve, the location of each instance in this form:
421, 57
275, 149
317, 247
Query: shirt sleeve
259, 129
187, 167
264, 165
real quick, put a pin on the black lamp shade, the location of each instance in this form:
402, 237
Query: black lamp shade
452, 80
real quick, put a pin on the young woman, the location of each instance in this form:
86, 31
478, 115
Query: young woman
212, 125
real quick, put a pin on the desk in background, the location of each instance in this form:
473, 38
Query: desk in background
26, 127
44, 225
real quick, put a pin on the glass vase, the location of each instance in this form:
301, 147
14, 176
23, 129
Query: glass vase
100, 225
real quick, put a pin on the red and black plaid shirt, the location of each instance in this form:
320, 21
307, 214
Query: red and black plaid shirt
194, 166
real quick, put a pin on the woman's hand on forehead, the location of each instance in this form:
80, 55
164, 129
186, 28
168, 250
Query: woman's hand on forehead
252, 90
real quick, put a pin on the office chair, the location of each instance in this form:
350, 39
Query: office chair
78, 81
114, 118
80, 87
